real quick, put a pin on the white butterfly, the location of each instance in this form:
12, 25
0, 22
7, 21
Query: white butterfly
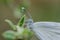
45, 30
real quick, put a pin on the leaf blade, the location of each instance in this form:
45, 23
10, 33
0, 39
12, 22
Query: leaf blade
21, 21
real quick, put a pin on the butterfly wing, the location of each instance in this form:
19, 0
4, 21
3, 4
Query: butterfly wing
47, 30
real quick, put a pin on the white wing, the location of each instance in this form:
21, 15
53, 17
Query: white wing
47, 30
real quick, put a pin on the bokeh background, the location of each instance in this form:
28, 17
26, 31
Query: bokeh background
41, 10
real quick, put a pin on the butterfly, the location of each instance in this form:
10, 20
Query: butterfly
45, 30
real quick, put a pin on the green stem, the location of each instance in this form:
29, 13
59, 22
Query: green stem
11, 24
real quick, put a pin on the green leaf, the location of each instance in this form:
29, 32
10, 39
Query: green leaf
21, 21
11, 24
9, 34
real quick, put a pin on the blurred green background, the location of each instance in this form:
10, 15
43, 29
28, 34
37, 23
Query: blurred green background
41, 10
46, 10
